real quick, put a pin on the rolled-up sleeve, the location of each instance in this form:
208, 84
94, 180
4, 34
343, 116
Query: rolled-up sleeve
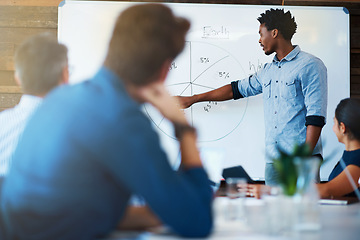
247, 87
314, 88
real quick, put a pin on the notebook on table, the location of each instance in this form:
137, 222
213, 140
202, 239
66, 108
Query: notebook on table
338, 201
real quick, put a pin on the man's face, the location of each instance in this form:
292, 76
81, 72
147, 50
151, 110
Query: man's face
267, 41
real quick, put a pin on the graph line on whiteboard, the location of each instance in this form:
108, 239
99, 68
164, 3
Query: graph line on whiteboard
202, 67
208, 69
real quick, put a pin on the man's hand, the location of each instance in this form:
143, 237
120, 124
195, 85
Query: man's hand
186, 102
257, 190
312, 136
158, 96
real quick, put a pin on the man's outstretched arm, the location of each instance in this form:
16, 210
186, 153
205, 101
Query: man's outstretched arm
223, 93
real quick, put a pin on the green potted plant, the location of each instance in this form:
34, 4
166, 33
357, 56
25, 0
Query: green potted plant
297, 171
286, 165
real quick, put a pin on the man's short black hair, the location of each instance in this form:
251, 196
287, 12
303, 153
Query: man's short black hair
278, 19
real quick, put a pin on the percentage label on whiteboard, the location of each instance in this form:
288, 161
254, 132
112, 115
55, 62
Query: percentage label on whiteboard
224, 75
209, 105
204, 60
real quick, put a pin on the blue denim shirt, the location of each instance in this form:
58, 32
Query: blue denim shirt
294, 95
84, 153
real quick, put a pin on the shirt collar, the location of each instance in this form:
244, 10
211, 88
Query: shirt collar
291, 55
29, 100
106, 73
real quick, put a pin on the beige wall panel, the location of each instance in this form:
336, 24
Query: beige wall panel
8, 100
7, 78
24, 16
18, 35
31, 2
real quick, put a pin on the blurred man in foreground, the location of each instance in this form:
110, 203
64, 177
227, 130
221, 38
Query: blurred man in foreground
89, 147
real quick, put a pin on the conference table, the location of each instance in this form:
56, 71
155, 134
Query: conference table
335, 222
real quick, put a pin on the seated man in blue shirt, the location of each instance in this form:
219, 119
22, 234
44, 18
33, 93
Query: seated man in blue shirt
90, 147
294, 88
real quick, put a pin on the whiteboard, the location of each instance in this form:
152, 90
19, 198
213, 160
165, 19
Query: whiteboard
221, 46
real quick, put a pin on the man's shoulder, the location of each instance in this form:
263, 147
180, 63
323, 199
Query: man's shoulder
309, 58
7, 112
21, 111
91, 99
71, 96
7, 118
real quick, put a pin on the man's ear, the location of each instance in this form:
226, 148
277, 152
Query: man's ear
17, 79
274, 33
64, 75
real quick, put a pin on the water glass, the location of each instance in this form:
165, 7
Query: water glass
236, 192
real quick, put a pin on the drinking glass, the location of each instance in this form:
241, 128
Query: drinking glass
236, 193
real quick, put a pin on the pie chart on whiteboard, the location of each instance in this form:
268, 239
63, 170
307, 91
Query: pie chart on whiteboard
203, 67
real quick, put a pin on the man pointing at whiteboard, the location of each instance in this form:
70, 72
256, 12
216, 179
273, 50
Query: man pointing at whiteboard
294, 87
